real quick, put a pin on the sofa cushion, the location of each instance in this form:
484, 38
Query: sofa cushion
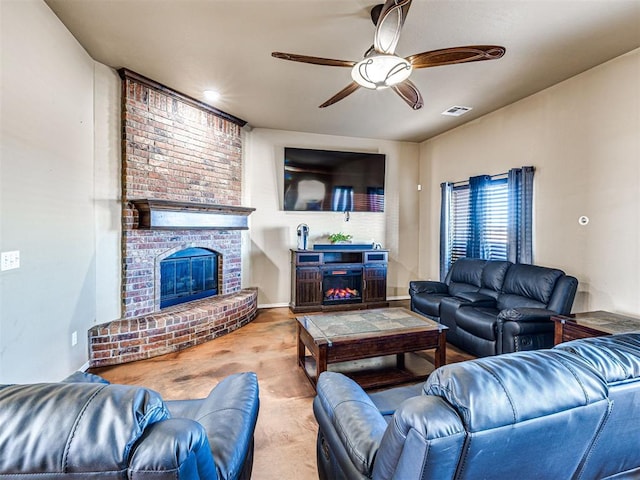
428, 303
493, 275
616, 357
522, 407
532, 283
73, 427
480, 322
466, 275
521, 386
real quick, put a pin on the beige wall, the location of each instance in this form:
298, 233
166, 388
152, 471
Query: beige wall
583, 137
273, 231
47, 188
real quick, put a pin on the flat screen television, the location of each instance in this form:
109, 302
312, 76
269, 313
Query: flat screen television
337, 181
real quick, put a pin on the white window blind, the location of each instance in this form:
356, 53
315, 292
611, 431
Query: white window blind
459, 215
494, 220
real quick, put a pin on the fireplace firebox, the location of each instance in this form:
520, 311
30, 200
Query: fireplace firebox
342, 286
187, 275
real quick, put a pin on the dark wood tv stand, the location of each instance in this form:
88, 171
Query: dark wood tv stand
334, 280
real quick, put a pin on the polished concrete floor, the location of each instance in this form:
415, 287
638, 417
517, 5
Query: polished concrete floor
286, 431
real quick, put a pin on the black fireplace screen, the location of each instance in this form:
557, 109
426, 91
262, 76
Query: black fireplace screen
187, 275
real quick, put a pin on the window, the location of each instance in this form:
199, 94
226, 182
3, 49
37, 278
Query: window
487, 217
493, 215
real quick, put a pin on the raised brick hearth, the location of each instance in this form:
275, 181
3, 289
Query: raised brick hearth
172, 329
174, 149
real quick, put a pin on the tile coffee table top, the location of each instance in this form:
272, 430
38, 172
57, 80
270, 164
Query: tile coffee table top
359, 322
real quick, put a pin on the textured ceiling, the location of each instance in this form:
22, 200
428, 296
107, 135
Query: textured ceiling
194, 45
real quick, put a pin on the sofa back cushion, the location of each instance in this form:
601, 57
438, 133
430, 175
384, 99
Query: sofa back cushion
465, 275
58, 428
617, 358
493, 275
528, 286
522, 406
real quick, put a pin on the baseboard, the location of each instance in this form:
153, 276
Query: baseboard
84, 367
281, 305
272, 305
399, 297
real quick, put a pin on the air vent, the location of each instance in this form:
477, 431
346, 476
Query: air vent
456, 111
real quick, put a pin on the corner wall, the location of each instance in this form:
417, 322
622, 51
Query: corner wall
582, 137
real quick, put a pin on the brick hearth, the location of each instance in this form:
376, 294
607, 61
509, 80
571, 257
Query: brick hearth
174, 149
172, 329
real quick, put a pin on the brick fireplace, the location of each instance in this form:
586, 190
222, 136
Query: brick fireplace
181, 189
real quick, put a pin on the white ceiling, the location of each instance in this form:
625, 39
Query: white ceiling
194, 45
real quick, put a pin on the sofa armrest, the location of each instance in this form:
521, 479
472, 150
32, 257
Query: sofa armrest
519, 329
173, 449
427, 286
476, 299
353, 416
425, 440
229, 415
525, 315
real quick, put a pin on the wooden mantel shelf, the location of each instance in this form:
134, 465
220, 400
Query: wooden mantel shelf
169, 215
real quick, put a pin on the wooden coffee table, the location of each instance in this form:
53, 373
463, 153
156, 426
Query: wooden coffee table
592, 324
362, 334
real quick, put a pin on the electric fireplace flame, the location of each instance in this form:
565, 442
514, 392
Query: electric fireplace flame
341, 294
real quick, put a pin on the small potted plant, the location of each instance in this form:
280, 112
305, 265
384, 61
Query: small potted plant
340, 238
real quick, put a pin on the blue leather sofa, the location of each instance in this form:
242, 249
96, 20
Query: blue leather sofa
84, 427
493, 307
571, 412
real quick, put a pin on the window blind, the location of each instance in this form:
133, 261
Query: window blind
494, 218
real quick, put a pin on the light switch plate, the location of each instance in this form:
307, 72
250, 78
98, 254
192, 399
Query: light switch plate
10, 260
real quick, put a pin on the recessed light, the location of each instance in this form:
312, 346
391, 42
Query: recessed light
456, 111
211, 95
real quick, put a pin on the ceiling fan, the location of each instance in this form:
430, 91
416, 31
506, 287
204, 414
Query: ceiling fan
382, 68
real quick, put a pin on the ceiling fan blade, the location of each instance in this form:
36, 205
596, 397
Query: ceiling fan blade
451, 56
348, 90
409, 93
314, 60
389, 25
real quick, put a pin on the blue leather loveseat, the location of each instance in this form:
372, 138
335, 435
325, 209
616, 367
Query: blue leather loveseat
86, 428
493, 307
571, 412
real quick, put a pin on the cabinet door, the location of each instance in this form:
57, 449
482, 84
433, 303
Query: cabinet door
308, 286
375, 279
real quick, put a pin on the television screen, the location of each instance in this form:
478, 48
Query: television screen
325, 180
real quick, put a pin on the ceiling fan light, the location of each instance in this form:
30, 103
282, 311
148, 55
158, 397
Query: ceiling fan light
381, 71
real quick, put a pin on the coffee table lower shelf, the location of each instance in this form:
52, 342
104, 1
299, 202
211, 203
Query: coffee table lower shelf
378, 371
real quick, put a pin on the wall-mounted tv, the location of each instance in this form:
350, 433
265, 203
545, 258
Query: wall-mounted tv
338, 181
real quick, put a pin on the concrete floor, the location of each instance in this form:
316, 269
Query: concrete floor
285, 434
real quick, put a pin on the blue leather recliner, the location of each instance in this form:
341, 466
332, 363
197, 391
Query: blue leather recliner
571, 412
84, 427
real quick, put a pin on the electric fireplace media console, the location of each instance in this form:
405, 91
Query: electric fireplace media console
336, 279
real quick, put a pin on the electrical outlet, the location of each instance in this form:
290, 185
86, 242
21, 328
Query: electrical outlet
10, 260
74, 339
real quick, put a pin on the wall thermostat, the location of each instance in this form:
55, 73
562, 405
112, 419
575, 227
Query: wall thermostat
583, 220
